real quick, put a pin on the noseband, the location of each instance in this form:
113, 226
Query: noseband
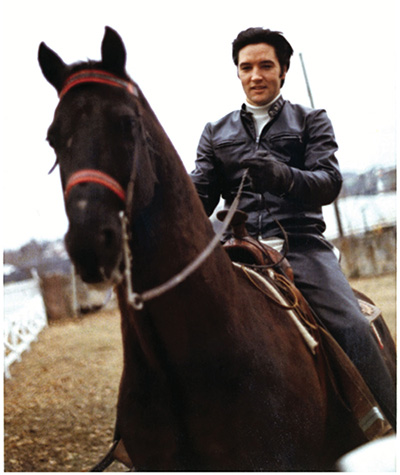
94, 176
89, 175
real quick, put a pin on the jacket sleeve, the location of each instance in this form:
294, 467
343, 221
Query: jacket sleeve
320, 181
205, 176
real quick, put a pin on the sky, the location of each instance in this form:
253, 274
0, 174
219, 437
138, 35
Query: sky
179, 52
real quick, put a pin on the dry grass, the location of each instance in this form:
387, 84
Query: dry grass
60, 403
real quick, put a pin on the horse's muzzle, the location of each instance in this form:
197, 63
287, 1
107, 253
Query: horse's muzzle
96, 251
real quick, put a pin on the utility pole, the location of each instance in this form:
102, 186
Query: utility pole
335, 203
306, 80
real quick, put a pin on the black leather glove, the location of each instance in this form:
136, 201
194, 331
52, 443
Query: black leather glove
267, 173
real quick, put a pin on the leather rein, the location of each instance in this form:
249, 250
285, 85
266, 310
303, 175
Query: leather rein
136, 300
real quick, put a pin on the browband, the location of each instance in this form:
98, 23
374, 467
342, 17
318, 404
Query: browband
96, 76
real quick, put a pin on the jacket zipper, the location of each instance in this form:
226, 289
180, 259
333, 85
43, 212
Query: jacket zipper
257, 140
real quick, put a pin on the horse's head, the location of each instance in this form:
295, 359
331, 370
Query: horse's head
95, 131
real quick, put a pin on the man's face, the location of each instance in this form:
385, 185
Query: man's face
260, 73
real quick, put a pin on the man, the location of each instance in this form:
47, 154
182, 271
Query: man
289, 151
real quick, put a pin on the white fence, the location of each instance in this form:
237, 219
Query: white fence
24, 318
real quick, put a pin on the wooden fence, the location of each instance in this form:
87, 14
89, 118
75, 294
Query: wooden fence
370, 253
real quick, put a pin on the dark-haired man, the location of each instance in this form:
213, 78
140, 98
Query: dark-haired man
290, 153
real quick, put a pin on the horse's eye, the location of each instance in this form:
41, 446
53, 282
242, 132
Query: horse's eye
52, 137
128, 124
51, 141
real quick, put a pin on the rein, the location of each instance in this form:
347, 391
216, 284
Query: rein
137, 300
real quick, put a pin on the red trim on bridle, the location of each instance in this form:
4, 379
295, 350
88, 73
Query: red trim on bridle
94, 176
96, 76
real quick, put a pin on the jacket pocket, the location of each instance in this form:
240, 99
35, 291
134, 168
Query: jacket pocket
229, 143
285, 136
288, 148
230, 154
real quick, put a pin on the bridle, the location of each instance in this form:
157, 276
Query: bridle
136, 300
89, 175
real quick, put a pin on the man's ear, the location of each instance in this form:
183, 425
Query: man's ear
284, 72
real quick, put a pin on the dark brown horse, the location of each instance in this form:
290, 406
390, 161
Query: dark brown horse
216, 376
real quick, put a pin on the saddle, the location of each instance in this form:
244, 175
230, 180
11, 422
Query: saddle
343, 376
243, 248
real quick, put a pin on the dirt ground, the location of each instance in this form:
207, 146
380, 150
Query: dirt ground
59, 405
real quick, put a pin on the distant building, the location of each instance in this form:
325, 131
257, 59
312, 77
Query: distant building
372, 182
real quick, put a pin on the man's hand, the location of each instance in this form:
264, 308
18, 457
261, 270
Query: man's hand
269, 174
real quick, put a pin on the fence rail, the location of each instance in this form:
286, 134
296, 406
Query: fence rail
24, 319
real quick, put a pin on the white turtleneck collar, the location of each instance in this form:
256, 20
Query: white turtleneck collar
261, 115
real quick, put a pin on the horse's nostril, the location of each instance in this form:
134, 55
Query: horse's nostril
108, 238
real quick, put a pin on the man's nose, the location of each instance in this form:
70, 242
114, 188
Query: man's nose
256, 74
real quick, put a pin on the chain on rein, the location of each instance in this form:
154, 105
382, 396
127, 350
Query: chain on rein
136, 300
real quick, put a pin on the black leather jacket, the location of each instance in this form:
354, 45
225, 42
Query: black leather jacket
301, 137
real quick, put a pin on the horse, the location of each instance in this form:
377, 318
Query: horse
215, 375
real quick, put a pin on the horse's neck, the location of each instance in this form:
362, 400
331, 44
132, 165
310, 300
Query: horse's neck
167, 236
172, 231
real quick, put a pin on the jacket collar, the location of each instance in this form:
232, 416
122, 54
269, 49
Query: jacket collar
273, 111
276, 107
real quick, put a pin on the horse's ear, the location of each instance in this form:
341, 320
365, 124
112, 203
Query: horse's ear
53, 67
113, 53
